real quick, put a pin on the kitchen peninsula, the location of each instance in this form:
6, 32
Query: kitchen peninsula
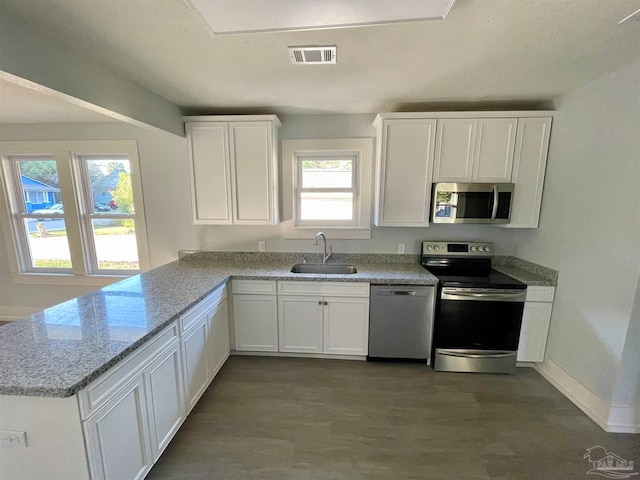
65, 369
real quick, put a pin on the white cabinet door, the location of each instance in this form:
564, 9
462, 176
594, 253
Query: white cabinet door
493, 151
346, 326
165, 398
256, 322
219, 338
196, 362
455, 141
533, 334
253, 172
300, 324
210, 173
404, 169
118, 436
529, 165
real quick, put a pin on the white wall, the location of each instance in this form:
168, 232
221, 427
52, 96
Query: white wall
590, 229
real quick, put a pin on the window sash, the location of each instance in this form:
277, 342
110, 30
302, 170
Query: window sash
78, 213
18, 213
299, 190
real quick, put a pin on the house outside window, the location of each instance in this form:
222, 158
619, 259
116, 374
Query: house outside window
80, 235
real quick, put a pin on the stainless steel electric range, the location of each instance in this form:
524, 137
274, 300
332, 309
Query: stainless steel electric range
478, 310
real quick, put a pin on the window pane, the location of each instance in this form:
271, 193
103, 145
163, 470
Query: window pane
326, 206
327, 173
110, 182
116, 246
40, 185
48, 243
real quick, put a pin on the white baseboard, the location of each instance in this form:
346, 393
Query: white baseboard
611, 419
624, 419
8, 313
298, 355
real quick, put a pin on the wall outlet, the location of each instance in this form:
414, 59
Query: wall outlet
401, 248
13, 438
262, 246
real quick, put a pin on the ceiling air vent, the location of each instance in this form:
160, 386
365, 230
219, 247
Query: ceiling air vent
312, 55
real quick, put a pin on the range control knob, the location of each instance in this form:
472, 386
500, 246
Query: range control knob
487, 248
429, 247
437, 247
473, 249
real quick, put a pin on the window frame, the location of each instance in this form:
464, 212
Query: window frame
299, 189
363, 149
67, 155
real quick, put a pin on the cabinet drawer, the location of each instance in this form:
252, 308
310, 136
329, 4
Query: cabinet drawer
104, 387
540, 294
254, 287
203, 307
336, 289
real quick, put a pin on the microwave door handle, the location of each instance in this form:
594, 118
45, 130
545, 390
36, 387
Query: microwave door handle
494, 211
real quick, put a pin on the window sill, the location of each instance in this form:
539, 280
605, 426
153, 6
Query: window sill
65, 279
333, 233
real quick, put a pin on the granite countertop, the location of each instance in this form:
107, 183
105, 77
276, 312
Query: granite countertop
57, 352
527, 272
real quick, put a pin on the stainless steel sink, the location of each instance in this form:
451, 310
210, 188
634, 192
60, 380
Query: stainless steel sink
326, 268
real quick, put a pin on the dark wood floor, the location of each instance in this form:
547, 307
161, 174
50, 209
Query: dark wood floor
282, 418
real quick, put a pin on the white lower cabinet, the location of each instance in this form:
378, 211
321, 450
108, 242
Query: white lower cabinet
196, 362
323, 317
118, 436
218, 339
300, 324
346, 326
535, 324
255, 315
165, 398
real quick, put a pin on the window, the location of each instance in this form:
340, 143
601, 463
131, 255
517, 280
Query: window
326, 190
331, 184
59, 221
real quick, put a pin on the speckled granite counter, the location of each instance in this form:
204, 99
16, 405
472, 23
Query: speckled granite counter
57, 352
527, 272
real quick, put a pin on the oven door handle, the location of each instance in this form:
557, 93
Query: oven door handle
502, 296
476, 355
494, 210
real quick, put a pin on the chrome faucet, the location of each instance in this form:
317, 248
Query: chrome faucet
326, 255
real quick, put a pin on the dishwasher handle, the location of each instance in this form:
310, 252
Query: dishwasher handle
416, 292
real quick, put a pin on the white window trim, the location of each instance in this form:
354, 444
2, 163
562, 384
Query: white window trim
362, 149
354, 189
64, 152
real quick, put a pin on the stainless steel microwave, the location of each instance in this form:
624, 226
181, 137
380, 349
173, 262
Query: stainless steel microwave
472, 202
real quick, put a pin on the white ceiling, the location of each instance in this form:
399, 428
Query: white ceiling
487, 52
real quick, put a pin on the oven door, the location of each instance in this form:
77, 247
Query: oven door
472, 202
478, 329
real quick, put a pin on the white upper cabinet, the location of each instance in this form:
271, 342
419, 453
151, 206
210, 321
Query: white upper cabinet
210, 172
403, 175
493, 150
529, 165
233, 166
455, 143
474, 150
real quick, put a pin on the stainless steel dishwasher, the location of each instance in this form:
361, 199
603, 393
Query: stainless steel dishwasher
401, 322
